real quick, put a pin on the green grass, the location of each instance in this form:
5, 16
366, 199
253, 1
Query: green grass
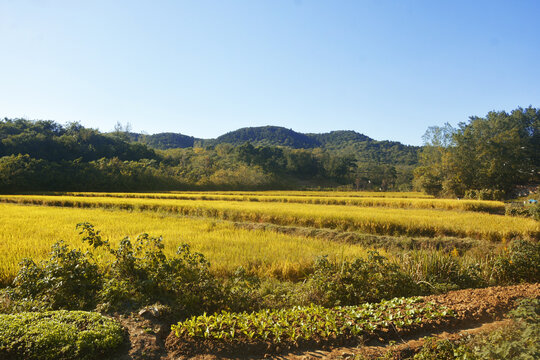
59, 335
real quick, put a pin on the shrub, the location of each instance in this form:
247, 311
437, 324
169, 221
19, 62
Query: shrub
59, 335
518, 341
532, 211
485, 194
141, 275
518, 264
68, 280
242, 290
444, 350
437, 272
362, 280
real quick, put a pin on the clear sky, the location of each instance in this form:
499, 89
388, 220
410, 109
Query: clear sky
388, 69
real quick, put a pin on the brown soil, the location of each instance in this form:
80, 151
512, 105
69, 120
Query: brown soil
471, 307
403, 349
147, 333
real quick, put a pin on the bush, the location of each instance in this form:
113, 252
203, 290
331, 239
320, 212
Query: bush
532, 211
140, 275
444, 350
59, 335
242, 290
485, 194
437, 272
359, 281
68, 280
520, 263
518, 341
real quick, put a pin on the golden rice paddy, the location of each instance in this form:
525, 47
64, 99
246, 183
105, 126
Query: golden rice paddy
30, 224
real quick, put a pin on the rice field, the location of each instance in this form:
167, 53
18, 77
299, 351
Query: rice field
373, 220
30, 224
29, 231
367, 200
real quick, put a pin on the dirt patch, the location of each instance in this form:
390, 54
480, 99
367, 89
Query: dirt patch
402, 350
147, 331
471, 308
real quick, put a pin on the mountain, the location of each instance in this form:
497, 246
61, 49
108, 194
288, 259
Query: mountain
268, 136
164, 141
339, 138
342, 142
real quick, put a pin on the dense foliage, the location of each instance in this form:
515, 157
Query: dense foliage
164, 141
140, 274
59, 335
268, 136
517, 341
43, 155
359, 281
312, 322
495, 153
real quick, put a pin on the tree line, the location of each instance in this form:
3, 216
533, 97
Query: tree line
487, 156
47, 156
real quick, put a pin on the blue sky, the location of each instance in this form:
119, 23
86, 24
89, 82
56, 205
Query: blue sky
388, 69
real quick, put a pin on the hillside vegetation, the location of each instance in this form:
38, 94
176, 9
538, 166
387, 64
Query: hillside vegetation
44, 155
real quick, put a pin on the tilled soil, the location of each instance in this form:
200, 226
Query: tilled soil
401, 350
471, 307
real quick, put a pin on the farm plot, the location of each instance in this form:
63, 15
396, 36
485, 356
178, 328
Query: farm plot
496, 207
265, 332
374, 220
29, 231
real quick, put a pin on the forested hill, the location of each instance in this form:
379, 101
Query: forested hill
344, 142
164, 141
267, 136
45, 156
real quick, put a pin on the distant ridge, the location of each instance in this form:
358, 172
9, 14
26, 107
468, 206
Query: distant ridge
268, 136
164, 141
362, 147
261, 135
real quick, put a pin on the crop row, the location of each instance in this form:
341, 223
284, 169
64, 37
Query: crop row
391, 202
29, 231
311, 322
387, 221
385, 194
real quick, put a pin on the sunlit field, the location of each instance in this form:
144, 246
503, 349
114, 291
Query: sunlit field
29, 231
374, 220
367, 199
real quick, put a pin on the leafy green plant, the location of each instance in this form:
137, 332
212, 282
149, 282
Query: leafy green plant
434, 349
59, 335
242, 290
142, 274
519, 263
68, 280
311, 322
362, 280
518, 341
